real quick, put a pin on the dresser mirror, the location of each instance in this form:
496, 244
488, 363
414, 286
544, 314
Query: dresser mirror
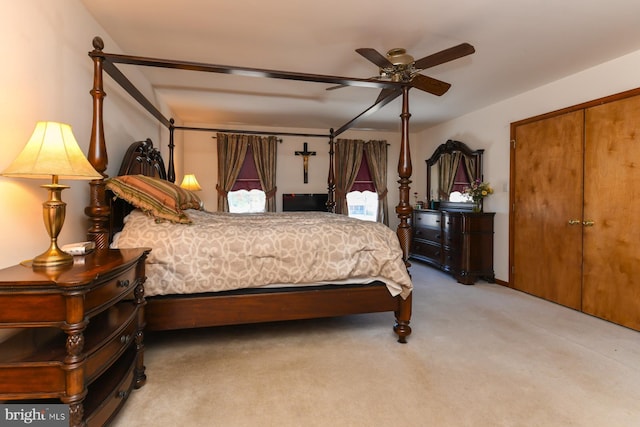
452, 168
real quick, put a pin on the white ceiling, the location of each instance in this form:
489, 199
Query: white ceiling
520, 45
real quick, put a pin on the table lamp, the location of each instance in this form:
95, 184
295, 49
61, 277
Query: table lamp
52, 151
189, 182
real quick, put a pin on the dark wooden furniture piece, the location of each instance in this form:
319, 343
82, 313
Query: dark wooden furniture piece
189, 311
450, 236
82, 342
460, 243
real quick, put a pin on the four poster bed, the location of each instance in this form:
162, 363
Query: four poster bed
170, 305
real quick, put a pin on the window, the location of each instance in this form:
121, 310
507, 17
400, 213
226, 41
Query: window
247, 196
362, 200
243, 201
363, 205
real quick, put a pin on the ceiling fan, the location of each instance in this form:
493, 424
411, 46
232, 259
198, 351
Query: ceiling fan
400, 67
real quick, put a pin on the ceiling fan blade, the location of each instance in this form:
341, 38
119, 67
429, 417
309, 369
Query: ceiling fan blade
443, 56
374, 56
429, 84
385, 97
374, 78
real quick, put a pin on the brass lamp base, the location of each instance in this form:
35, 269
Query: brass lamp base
53, 212
53, 257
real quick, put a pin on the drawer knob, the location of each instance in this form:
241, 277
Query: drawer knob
122, 394
125, 339
123, 283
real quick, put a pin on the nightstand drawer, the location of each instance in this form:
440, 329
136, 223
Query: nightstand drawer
110, 391
108, 336
113, 290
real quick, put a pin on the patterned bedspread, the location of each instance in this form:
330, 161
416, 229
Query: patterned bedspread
222, 251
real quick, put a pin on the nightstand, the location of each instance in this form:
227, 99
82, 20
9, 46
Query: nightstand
79, 334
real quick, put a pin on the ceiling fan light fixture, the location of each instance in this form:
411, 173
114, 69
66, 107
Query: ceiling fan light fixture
399, 56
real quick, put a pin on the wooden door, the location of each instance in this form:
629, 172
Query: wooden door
547, 173
611, 288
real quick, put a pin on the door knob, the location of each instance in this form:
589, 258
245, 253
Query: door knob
588, 223
574, 222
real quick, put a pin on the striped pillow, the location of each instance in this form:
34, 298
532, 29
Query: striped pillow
162, 199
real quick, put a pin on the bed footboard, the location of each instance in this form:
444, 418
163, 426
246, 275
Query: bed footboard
235, 307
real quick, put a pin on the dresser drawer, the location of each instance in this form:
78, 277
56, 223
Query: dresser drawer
452, 223
452, 259
452, 239
426, 219
427, 250
430, 234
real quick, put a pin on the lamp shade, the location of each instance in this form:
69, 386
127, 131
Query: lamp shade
189, 182
52, 150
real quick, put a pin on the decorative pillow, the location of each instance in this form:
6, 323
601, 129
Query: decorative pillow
160, 198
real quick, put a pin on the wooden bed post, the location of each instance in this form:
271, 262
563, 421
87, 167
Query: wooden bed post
98, 209
331, 180
404, 209
171, 171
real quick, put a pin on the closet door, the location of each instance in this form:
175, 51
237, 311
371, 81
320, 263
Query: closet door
546, 229
611, 288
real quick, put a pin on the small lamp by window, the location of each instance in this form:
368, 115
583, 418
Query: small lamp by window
189, 182
52, 153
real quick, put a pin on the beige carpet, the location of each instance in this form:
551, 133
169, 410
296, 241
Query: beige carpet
481, 355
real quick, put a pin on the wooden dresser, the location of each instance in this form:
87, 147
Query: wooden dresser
79, 338
460, 243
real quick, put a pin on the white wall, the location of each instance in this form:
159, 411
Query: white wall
489, 128
46, 74
200, 158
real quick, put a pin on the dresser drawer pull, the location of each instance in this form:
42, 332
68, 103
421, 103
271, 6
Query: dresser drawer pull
123, 283
122, 394
125, 339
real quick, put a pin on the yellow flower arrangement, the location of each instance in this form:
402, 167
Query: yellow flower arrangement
478, 190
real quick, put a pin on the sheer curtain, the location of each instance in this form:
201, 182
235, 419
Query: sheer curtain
376, 156
347, 163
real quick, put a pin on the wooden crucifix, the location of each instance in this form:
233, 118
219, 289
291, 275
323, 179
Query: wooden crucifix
305, 161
